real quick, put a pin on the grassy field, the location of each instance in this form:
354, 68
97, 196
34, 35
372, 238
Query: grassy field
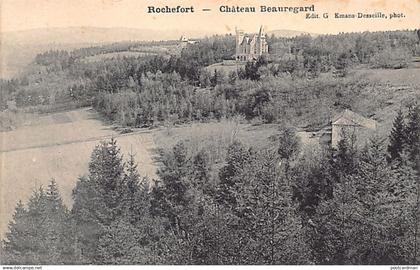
224, 67
59, 145
174, 48
215, 137
406, 76
394, 89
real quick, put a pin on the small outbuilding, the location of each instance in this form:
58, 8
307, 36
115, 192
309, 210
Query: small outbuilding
352, 124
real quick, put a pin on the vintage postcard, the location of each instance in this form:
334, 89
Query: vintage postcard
209, 132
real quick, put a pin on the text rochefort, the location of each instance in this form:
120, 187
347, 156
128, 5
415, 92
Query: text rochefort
168, 9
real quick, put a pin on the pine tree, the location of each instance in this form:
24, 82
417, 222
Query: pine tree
16, 243
106, 173
134, 236
345, 159
181, 198
289, 147
121, 244
98, 198
237, 156
413, 135
131, 188
406, 188
57, 228
40, 234
232, 77
265, 226
312, 181
288, 143
171, 197
374, 178
36, 215
201, 172
335, 224
397, 137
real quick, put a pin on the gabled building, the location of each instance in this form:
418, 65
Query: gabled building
185, 41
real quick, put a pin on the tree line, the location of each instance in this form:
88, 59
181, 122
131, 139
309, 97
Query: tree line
299, 57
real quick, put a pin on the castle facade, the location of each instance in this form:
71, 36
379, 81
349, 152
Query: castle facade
250, 47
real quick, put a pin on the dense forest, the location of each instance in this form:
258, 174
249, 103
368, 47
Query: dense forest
263, 206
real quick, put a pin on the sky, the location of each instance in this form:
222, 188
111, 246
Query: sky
19, 15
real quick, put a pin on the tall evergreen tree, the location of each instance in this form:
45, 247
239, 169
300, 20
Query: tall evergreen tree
397, 137
335, 224
345, 160
413, 135
131, 189
264, 221
98, 198
40, 233
312, 181
171, 195
182, 198
288, 149
17, 244
288, 143
237, 155
406, 188
201, 178
374, 178
57, 237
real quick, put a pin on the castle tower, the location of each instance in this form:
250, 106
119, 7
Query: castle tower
262, 44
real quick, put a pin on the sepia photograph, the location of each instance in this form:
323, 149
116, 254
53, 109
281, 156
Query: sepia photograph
203, 132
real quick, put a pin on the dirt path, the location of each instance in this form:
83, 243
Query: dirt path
59, 146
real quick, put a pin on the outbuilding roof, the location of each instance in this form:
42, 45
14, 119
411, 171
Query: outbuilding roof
350, 118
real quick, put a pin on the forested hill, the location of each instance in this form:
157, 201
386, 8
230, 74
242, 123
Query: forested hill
139, 87
20, 47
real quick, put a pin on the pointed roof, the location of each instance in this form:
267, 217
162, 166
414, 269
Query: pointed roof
261, 32
350, 118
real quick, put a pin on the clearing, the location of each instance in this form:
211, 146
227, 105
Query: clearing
59, 145
226, 66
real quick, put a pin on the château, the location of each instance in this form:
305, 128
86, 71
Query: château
250, 47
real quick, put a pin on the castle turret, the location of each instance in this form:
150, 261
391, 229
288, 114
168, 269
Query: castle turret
262, 42
261, 33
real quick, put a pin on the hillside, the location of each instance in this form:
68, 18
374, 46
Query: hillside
75, 35
19, 48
